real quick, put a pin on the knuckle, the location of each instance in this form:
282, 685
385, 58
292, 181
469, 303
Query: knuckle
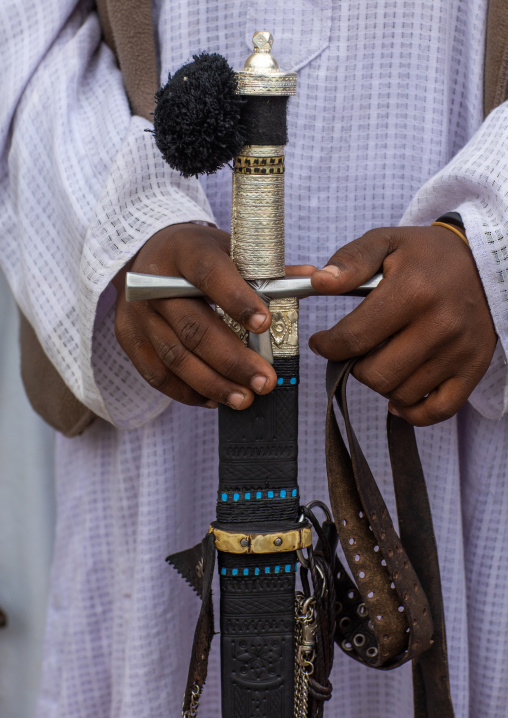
171, 354
155, 376
417, 289
229, 365
205, 272
450, 325
192, 332
441, 412
353, 253
402, 397
377, 380
355, 342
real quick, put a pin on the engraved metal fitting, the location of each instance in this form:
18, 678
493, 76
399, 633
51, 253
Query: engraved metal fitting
256, 542
261, 74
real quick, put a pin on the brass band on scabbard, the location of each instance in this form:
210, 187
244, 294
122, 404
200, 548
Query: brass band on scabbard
262, 542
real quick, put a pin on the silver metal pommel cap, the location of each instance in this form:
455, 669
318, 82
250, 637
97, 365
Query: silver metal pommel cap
261, 74
262, 59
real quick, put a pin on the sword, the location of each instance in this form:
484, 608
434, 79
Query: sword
258, 488
277, 646
259, 533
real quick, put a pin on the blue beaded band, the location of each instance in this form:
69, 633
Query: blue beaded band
260, 570
256, 494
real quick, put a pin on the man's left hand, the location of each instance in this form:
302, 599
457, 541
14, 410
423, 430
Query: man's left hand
425, 333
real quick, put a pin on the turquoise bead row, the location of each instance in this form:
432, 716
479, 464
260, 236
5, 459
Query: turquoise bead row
292, 381
257, 495
268, 570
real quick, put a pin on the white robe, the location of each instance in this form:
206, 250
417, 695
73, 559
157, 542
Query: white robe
27, 522
386, 129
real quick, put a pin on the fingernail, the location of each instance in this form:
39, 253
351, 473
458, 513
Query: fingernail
235, 400
393, 410
257, 320
331, 269
258, 382
313, 348
211, 404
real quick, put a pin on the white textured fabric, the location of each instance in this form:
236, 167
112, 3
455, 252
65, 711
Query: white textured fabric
27, 522
389, 92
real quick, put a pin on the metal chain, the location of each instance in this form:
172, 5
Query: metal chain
305, 653
194, 704
305, 645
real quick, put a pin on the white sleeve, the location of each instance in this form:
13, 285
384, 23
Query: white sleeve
82, 188
475, 184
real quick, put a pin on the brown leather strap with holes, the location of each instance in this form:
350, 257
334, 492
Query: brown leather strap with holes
396, 578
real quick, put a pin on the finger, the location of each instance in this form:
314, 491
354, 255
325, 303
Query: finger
213, 272
142, 354
441, 404
420, 384
355, 262
300, 270
191, 370
203, 333
411, 352
376, 319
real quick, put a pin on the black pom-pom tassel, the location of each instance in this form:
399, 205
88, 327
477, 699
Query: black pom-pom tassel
197, 123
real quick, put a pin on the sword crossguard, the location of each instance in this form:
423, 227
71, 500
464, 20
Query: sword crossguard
140, 287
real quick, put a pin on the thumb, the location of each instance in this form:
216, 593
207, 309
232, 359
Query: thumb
354, 263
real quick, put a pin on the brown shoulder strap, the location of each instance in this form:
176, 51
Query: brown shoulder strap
128, 30
496, 55
397, 578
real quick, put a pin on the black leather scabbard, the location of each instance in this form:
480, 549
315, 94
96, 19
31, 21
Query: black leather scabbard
258, 488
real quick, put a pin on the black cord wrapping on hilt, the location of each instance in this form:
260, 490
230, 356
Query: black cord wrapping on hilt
321, 560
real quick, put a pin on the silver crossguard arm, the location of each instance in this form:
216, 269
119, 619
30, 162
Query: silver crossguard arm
152, 286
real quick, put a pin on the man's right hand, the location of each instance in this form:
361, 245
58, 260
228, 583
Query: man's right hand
180, 346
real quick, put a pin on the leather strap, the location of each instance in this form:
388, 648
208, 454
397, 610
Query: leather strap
203, 634
393, 612
128, 30
495, 84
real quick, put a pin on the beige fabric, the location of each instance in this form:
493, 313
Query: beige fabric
496, 55
48, 394
127, 28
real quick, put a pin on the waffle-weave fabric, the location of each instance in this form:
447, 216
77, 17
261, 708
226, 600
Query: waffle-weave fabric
386, 129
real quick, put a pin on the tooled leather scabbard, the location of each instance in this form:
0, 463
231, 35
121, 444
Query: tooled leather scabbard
258, 497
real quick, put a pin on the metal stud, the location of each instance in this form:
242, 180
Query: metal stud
244, 542
345, 623
278, 541
361, 610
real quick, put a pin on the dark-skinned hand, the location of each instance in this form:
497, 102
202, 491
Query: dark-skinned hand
426, 330
180, 346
